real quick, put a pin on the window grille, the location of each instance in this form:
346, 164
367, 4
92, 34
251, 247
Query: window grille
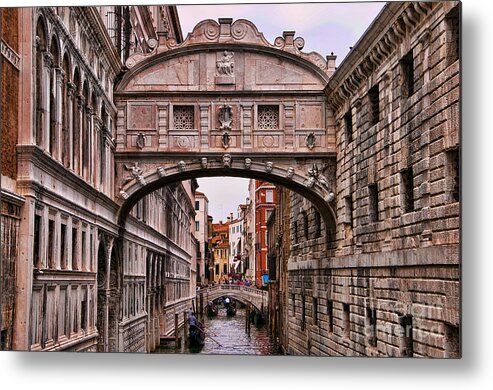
183, 117
268, 117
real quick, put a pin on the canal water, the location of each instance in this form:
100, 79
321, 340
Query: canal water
227, 336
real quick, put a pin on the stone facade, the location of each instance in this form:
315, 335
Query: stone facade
389, 283
74, 280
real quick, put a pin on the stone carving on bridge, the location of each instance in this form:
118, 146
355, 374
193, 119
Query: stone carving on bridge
124, 195
141, 140
225, 66
204, 163
226, 117
161, 172
290, 173
227, 161
269, 166
226, 140
248, 163
136, 173
310, 141
315, 177
182, 166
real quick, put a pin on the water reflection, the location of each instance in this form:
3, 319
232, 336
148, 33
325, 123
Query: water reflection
226, 336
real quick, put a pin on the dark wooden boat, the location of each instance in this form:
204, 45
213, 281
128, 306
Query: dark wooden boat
196, 336
211, 310
230, 310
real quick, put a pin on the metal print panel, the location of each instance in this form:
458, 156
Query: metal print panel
120, 233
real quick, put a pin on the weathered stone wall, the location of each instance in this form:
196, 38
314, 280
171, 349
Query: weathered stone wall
393, 286
9, 90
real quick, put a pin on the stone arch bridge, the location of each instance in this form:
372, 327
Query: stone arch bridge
226, 102
247, 295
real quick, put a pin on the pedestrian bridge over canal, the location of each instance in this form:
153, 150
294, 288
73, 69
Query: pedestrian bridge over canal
248, 295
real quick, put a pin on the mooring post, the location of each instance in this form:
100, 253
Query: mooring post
246, 319
202, 305
177, 340
196, 308
185, 327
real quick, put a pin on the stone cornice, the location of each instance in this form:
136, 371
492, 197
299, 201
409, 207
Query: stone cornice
388, 30
100, 30
34, 155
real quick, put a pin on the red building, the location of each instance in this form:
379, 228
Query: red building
265, 201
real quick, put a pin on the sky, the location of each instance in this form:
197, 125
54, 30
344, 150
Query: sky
325, 27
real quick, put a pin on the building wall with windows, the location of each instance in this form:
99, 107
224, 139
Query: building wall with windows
80, 285
202, 233
265, 198
389, 283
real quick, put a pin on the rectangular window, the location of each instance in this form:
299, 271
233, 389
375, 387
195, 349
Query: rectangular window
406, 323
315, 311
74, 248
373, 202
407, 75
183, 117
374, 101
407, 188
452, 23
83, 311
197, 226
453, 173
269, 196
346, 320
303, 313
267, 117
51, 243
63, 246
293, 305
452, 343
348, 125
330, 315
197, 205
371, 318
36, 243
348, 211
83, 247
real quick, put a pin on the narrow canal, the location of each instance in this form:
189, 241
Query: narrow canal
227, 336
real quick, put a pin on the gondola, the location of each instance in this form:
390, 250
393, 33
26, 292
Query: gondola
211, 310
196, 335
230, 310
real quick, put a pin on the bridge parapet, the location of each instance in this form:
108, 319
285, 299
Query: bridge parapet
256, 297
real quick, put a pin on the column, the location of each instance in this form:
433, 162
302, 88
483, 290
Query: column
45, 108
57, 149
247, 122
204, 126
163, 126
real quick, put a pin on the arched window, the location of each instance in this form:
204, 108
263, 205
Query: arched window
65, 112
55, 56
40, 110
85, 131
305, 224
76, 116
318, 225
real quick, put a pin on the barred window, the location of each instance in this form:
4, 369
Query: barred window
183, 117
268, 117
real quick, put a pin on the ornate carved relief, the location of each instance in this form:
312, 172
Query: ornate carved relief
225, 117
227, 161
135, 173
225, 69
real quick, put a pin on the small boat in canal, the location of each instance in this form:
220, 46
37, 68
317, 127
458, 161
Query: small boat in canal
196, 335
211, 309
230, 310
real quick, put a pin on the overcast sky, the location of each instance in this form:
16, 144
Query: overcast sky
325, 27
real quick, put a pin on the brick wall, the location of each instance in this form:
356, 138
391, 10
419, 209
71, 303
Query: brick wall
393, 286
